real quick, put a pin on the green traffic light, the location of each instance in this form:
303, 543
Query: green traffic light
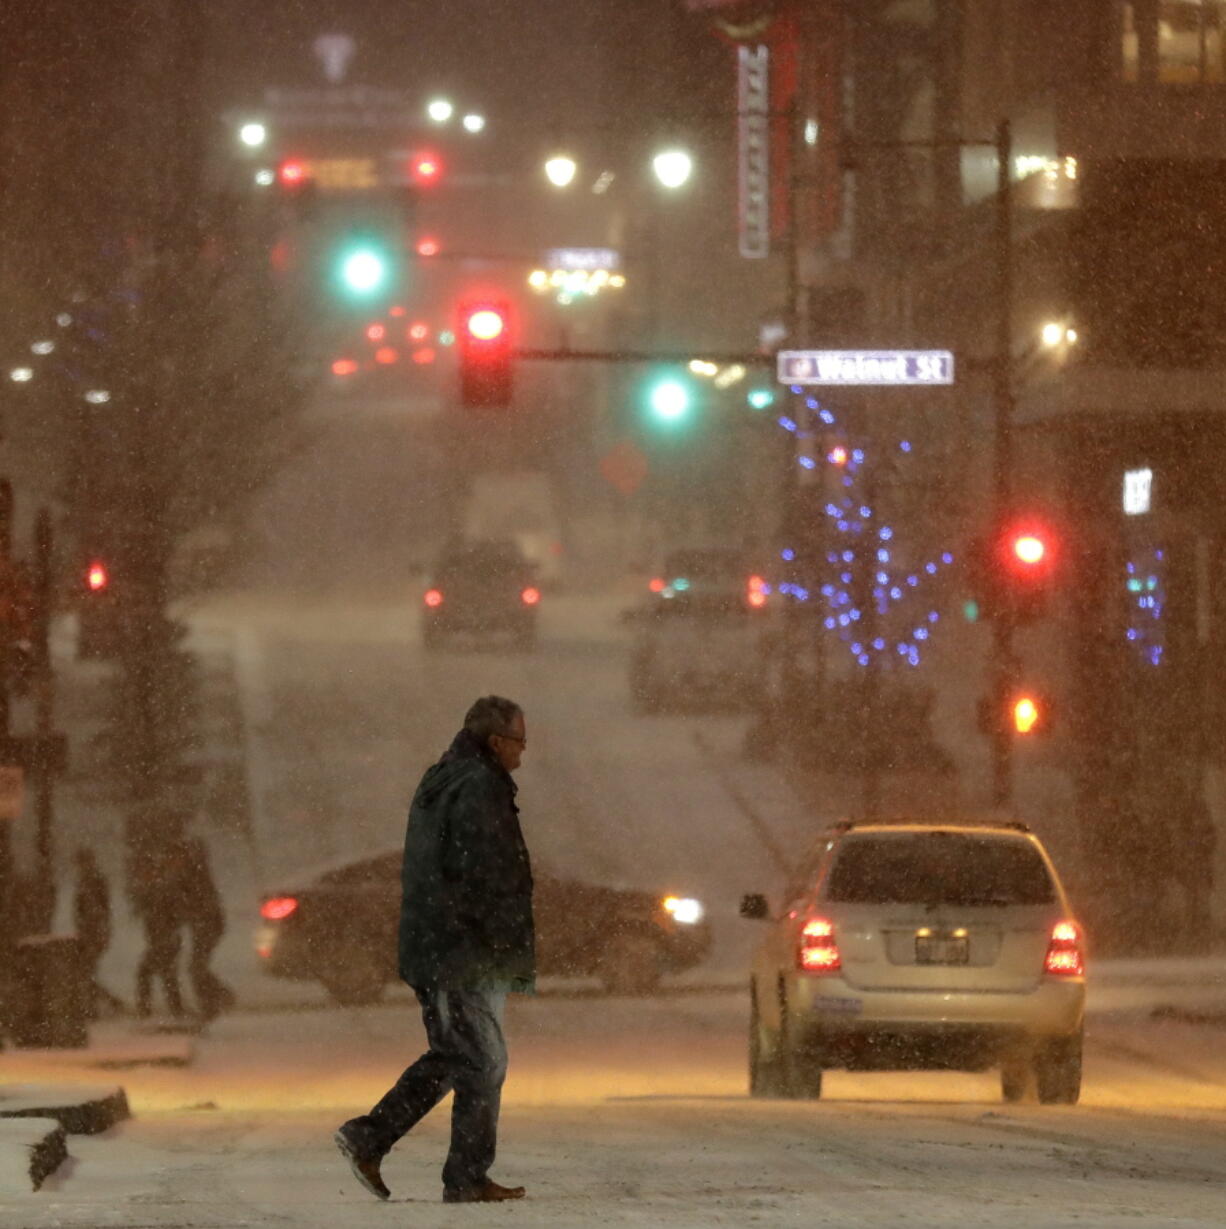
760, 398
669, 400
364, 270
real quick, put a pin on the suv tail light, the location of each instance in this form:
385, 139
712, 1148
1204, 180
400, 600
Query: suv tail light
278, 907
530, 596
1064, 956
434, 597
819, 953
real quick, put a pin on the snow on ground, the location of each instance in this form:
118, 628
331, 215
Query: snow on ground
628, 1112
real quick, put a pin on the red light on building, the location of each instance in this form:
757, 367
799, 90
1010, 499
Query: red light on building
292, 173
531, 596
386, 355
424, 356
375, 332
428, 247
344, 367
427, 168
434, 598
418, 331
656, 584
97, 577
398, 310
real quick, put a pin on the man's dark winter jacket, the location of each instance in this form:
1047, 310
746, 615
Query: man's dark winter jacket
466, 907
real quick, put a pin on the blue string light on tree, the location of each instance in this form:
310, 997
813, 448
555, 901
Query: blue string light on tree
896, 588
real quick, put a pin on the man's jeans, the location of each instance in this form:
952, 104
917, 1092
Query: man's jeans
467, 1054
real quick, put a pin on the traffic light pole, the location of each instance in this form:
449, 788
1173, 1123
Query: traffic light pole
1003, 665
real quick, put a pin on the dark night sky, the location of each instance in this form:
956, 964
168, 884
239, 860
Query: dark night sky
542, 59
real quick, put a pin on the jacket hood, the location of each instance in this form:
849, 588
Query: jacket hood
465, 753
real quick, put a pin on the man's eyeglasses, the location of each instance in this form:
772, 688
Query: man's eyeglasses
515, 738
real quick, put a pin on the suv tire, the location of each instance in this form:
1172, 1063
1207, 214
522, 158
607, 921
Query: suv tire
764, 1078
802, 1076
1057, 1070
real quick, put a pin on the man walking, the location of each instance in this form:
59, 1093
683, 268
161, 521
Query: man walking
466, 940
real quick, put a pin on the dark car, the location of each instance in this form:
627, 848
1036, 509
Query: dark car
340, 929
483, 589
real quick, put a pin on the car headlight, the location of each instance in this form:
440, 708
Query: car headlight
683, 909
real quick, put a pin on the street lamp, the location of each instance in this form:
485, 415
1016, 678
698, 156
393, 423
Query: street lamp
440, 110
473, 122
672, 167
253, 134
561, 170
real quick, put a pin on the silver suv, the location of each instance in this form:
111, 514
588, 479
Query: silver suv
919, 945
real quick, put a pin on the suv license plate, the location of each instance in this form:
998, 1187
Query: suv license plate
941, 949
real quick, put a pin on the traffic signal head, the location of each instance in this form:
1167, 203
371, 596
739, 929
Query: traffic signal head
486, 350
1012, 570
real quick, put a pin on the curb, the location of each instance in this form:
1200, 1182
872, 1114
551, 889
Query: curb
44, 1142
79, 1109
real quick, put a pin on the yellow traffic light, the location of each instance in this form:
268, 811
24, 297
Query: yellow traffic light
1026, 714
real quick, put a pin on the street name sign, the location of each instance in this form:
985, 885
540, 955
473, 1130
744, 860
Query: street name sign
908, 368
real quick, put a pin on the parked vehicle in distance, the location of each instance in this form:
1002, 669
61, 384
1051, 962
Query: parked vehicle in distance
339, 928
482, 589
919, 945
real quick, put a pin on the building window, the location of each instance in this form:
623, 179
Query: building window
1173, 42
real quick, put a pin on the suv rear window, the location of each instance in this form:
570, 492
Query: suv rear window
939, 868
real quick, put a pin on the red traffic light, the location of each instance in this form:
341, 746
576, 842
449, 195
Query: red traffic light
1029, 548
97, 577
485, 324
485, 350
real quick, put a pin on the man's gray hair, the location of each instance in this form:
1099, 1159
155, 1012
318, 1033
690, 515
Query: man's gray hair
491, 715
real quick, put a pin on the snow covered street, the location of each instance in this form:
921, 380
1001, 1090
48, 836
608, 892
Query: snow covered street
628, 1112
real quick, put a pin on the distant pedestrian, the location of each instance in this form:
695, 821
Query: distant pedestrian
157, 876
91, 916
206, 922
466, 939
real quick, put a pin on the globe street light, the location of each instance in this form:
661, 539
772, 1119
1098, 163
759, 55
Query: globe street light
473, 122
672, 167
253, 134
561, 170
440, 110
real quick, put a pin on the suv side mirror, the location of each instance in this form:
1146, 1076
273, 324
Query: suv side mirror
754, 907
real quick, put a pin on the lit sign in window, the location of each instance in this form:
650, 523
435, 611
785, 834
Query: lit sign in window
1138, 486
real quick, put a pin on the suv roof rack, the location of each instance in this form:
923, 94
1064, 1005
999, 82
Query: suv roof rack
944, 821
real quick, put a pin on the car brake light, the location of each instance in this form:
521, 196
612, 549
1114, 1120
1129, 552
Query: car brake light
278, 907
531, 596
819, 953
434, 597
1064, 957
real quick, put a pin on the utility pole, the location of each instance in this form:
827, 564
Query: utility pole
1003, 665
8, 877
44, 710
